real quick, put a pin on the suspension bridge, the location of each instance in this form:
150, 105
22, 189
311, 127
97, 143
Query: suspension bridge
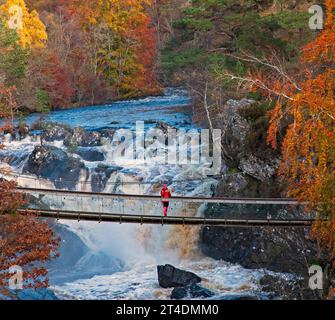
131, 208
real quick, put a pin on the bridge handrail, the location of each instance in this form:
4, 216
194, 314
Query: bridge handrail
276, 201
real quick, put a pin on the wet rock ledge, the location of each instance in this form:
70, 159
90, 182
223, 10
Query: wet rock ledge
186, 284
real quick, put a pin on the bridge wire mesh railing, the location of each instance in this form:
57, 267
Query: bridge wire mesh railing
101, 204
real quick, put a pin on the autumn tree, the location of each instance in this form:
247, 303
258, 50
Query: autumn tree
309, 145
81, 52
305, 98
30, 28
8, 105
121, 43
25, 241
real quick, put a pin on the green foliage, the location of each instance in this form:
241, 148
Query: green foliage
254, 96
204, 21
43, 101
219, 61
288, 20
173, 61
13, 58
210, 6
196, 24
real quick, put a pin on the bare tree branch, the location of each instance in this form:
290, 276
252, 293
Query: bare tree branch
253, 82
250, 58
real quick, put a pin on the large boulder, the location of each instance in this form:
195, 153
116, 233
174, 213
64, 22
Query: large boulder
231, 185
23, 131
107, 133
235, 129
171, 277
262, 170
237, 148
90, 154
280, 249
83, 138
100, 176
193, 291
52, 163
55, 132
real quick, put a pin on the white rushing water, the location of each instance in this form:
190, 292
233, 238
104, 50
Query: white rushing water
139, 249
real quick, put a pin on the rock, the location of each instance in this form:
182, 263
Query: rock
91, 155
55, 132
163, 126
150, 121
252, 176
193, 291
76, 261
262, 170
280, 249
71, 250
16, 133
179, 293
329, 278
170, 277
233, 184
237, 152
83, 138
101, 175
279, 287
54, 164
186, 123
235, 129
23, 131
14, 159
107, 133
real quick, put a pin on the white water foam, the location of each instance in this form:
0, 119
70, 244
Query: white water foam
141, 248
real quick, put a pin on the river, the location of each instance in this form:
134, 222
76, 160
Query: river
112, 261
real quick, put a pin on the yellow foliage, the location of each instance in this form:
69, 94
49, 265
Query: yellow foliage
30, 28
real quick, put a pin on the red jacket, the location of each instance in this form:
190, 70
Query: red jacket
166, 194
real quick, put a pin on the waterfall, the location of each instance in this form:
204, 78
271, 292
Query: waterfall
119, 261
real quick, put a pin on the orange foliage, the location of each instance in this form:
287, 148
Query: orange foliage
126, 45
324, 45
309, 145
10, 200
25, 241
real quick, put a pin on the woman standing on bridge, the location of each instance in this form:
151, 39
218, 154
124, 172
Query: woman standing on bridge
165, 194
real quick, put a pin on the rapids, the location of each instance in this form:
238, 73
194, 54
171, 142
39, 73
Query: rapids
111, 261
